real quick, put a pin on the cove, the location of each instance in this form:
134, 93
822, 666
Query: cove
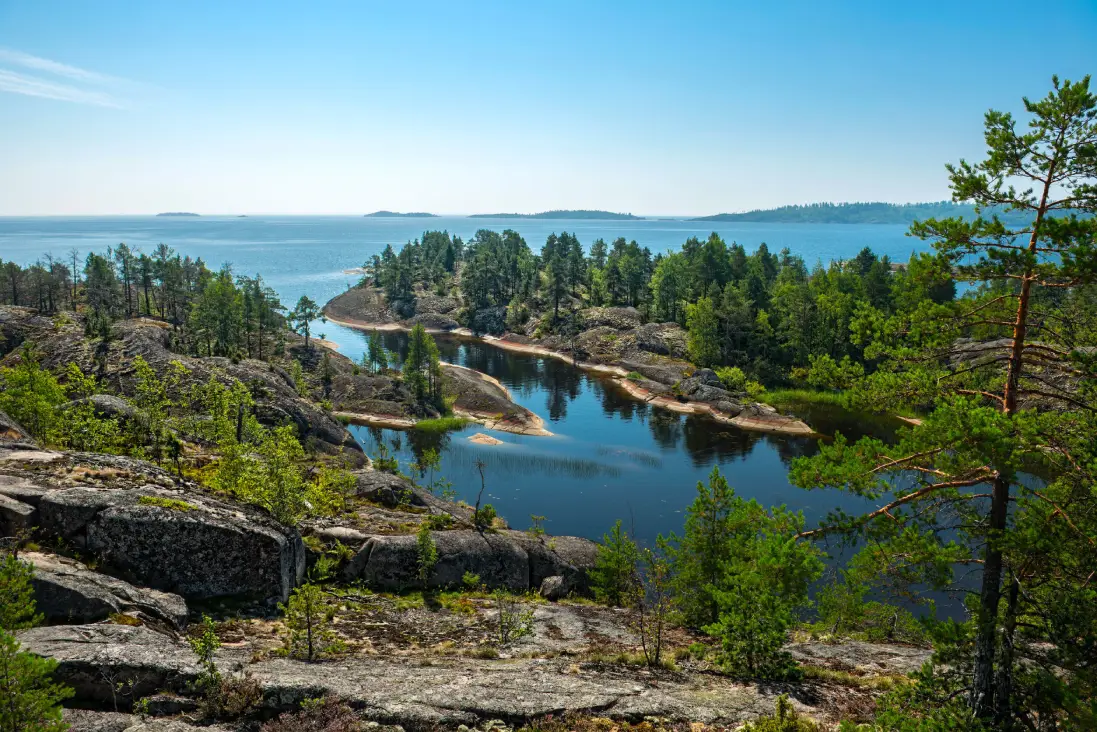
610, 457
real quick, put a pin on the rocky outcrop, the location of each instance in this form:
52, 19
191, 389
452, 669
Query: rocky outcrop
277, 400
508, 560
67, 592
152, 528
442, 693
392, 562
98, 660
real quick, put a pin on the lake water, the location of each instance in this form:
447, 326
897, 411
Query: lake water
610, 457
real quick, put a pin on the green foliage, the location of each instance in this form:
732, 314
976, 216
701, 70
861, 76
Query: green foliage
300, 318
536, 526
30, 395
384, 460
205, 643
427, 552
376, 357
702, 344
270, 477
614, 575
16, 594
826, 373
440, 425
999, 473
307, 619
484, 517
471, 581
29, 700
740, 573
423, 368
785, 719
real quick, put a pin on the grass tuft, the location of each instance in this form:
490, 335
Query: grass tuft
441, 424
172, 504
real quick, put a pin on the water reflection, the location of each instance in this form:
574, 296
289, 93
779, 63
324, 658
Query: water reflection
611, 457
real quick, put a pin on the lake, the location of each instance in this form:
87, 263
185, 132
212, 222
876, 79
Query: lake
610, 457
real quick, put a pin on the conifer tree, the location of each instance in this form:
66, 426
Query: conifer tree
1012, 398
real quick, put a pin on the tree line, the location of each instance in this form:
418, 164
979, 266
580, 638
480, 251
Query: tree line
768, 314
212, 313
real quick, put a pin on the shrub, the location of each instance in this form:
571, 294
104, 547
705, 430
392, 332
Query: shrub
614, 575
30, 395
328, 714
740, 575
307, 618
785, 719
205, 644
514, 622
29, 700
536, 526
471, 581
484, 517
439, 521
427, 551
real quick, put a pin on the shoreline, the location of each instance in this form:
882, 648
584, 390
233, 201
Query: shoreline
533, 427
784, 425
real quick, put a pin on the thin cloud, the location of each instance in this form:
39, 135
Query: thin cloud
32, 86
76, 85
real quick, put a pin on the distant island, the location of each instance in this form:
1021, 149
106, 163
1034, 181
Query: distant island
563, 214
848, 213
397, 215
178, 213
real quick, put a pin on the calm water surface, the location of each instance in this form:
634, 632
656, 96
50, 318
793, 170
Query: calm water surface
610, 458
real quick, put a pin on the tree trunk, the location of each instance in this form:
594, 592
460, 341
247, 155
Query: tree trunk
982, 690
1003, 683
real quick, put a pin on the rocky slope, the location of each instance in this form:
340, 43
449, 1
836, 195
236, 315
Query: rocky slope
645, 359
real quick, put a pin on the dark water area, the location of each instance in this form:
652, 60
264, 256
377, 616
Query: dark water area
610, 457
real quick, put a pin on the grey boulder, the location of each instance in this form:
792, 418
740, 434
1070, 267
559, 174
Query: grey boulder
65, 591
189, 544
97, 660
392, 562
554, 588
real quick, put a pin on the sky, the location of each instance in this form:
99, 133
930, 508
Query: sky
652, 108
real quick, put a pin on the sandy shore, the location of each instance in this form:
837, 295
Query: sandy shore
779, 424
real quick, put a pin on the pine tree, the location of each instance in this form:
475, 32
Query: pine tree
1011, 396
614, 577
29, 700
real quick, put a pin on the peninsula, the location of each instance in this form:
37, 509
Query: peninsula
397, 215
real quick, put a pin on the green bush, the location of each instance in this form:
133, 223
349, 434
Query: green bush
484, 516
740, 575
427, 551
613, 577
785, 719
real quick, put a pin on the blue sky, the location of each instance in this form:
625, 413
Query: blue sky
651, 108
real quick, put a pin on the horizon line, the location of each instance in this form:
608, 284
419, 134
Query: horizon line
196, 214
